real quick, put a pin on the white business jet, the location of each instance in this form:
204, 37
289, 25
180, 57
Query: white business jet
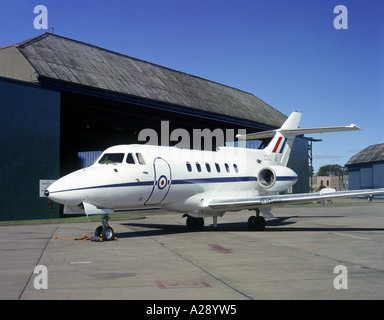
197, 183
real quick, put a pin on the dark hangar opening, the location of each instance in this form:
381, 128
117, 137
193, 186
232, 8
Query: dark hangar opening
90, 123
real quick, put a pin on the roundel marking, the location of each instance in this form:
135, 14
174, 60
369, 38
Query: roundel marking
162, 182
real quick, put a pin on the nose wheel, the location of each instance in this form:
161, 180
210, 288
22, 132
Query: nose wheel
105, 231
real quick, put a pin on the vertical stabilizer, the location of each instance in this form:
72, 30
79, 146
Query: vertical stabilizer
292, 122
281, 144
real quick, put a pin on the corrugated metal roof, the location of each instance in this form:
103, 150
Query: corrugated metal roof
62, 59
372, 153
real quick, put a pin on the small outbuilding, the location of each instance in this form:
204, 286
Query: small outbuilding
366, 168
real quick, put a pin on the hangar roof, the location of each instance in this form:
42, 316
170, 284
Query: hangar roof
372, 153
66, 60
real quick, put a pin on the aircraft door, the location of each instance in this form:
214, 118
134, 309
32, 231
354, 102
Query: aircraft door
162, 181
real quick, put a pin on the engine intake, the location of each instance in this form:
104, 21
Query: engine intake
266, 178
276, 178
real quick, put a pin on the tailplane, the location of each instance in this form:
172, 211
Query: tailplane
279, 148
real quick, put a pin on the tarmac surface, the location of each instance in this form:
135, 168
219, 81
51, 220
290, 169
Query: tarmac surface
156, 258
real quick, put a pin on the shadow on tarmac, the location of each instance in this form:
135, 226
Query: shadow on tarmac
274, 225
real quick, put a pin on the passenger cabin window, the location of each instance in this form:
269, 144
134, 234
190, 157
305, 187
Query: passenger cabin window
208, 167
236, 168
140, 158
198, 167
227, 167
108, 158
130, 158
217, 167
189, 167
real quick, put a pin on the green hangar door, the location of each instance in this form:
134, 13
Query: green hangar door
30, 146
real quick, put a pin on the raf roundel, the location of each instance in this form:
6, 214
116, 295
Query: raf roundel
162, 182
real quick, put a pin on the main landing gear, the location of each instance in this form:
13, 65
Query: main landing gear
104, 231
195, 223
256, 223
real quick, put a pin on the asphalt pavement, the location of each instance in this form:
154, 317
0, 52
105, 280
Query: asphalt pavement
306, 252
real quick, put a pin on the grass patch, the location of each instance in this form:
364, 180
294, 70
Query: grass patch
61, 220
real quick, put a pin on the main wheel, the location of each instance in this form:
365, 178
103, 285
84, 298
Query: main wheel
195, 223
108, 234
99, 231
199, 223
256, 223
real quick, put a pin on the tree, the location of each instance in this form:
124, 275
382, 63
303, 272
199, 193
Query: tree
330, 170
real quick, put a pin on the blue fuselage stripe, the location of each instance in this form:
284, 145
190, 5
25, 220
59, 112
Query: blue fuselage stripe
177, 182
287, 178
214, 180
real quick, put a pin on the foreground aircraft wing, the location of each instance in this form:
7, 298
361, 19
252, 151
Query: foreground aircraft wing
276, 200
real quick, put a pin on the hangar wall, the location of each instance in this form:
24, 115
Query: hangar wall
366, 176
30, 147
14, 65
366, 168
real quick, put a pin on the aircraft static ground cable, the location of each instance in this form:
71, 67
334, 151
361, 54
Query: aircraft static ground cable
84, 238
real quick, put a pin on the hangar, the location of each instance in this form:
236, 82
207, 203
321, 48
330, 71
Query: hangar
60, 97
366, 168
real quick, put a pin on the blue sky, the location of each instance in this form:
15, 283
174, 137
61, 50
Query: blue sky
287, 53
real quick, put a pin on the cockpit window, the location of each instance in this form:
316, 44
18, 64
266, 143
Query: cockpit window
130, 158
140, 158
108, 158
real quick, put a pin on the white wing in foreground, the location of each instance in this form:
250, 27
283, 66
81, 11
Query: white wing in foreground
276, 200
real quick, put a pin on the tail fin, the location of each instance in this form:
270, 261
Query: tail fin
282, 139
282, 142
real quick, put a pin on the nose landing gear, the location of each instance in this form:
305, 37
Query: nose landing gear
104, 231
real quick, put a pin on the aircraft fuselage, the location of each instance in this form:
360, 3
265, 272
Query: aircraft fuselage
142, 176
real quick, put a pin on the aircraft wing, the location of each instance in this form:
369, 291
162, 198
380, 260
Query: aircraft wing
279, 200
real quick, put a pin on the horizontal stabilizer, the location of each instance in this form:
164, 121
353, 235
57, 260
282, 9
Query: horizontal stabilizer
296, 132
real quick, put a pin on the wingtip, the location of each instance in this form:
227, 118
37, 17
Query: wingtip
354, 127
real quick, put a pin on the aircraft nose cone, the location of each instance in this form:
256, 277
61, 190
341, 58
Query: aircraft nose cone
46, 193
